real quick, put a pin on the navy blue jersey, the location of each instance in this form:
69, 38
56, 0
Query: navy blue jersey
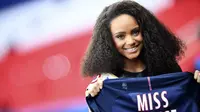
174, 92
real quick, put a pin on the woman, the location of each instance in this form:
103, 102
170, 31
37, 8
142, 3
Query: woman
129, 41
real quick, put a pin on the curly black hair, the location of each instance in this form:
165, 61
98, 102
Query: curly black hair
161, 51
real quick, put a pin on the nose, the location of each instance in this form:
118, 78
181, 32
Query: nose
130, 41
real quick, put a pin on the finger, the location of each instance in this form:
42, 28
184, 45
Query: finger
89, 89
90, 92
96, 88
100, 82
91, 86
93, 93
93, 90
86, 93
196, 74
198, 78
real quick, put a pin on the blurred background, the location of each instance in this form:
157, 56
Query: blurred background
42, 43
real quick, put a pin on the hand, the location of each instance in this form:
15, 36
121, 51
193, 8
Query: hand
94, 88
197, 76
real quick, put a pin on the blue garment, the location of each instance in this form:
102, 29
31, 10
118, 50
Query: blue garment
174, 92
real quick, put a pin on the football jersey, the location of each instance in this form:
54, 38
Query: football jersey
173, 92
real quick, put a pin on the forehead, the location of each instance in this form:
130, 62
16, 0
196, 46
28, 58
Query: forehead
123, 22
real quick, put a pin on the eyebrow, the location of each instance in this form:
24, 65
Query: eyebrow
122, 32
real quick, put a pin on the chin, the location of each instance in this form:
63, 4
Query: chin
133, 56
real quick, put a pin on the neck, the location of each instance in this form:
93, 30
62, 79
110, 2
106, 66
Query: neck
134, 65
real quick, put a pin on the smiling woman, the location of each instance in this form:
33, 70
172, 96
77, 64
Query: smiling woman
128, 38
129, 41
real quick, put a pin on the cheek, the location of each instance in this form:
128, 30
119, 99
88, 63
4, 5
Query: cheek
118, 44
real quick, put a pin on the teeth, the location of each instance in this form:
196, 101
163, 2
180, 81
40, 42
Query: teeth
131, 49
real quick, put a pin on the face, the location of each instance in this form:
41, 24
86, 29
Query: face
127, 36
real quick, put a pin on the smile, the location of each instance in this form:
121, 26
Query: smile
131, 50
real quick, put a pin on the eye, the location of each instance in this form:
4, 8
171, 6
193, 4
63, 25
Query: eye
135, 31
120, 36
